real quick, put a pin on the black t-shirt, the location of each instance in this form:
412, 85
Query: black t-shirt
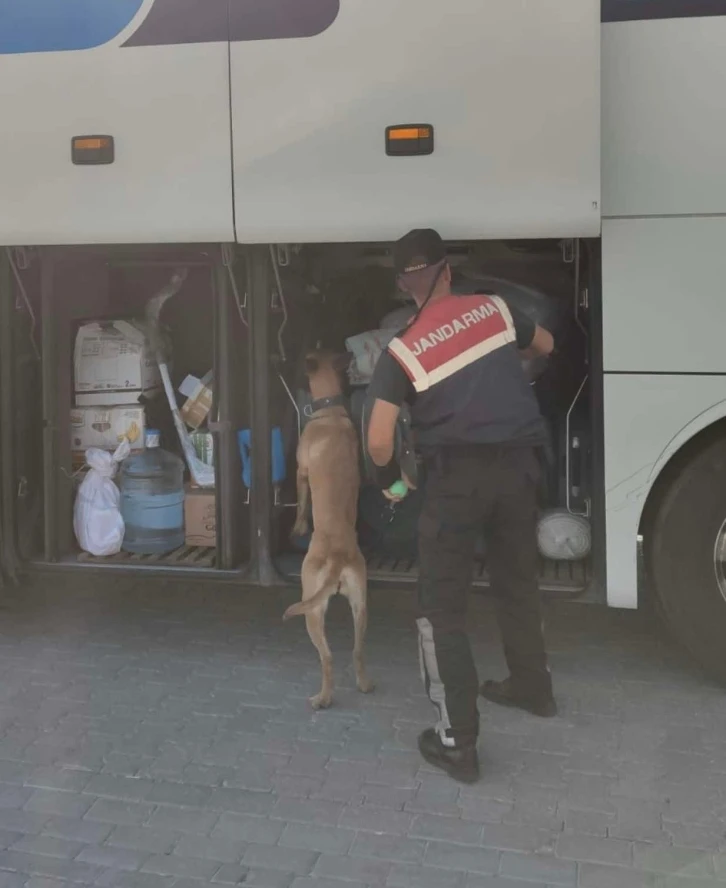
391, 384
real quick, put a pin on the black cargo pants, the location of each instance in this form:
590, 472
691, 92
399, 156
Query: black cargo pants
467, 489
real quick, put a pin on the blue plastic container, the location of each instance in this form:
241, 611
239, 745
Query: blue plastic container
279, 469
152, 500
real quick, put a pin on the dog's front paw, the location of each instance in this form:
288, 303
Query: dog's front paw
321, 701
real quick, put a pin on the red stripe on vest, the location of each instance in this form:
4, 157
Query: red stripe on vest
452, 326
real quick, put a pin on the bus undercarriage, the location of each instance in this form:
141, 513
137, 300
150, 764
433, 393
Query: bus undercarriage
249, 314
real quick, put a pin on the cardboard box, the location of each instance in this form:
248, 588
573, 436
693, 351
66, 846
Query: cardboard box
199, 400
105, 427
200, 517
113, 365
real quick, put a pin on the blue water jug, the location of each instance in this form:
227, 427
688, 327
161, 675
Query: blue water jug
279, 470
152, 500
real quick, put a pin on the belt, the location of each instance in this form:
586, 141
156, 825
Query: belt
472, 450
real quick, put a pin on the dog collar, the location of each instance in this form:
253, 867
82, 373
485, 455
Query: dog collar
323, 403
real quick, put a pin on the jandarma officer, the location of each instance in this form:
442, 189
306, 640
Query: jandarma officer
478, 426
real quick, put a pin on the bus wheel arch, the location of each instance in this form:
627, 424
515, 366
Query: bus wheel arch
683, 527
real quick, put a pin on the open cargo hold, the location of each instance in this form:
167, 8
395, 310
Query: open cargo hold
80, 315
350, 302
240, 325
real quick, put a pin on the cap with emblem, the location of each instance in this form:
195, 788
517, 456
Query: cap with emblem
418, 258
418, 250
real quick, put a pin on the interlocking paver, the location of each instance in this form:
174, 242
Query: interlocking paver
673, 861
314, 882
47, 801
174, 748
368, 871
22, 821
448, 829
388, 847
308, 811
184, 867
593, 849
246, 828
370, 819
184, 820
289, 860
539, 867
224, 850
230, 874
404, 875
462, 857
242, 801
113, 858
314, 837
500, 882
112, 811
267, 878
58, 778
143, 838
508, 837
48, 846
128, 789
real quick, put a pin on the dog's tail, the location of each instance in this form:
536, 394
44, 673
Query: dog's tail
331, 577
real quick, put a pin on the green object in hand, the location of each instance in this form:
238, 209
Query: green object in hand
400, 488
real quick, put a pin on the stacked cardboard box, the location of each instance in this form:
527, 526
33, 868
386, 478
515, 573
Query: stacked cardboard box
113, 368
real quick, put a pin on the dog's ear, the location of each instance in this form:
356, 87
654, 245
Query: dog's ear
312, 365
342, 362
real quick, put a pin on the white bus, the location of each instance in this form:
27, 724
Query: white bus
275, 148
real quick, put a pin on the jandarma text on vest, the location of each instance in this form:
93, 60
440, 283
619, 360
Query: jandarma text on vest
457, 325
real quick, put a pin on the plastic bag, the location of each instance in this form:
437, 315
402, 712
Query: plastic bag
366, 349
97, 521
202, 474
562, 536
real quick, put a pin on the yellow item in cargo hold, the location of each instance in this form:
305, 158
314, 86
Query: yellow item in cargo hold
133, 433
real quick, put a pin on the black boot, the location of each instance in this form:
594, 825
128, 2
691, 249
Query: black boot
503, 693
461, 763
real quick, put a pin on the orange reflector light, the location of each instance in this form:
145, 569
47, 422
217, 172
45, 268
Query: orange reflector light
409, 139
91, 144
92, 149
397, 133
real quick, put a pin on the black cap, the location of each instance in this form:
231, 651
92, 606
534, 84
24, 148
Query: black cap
417, 251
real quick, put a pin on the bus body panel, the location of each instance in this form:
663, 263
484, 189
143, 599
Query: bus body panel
663, 360
511, 89
664, 139
647, 420
167, 108
663, 285
664, 130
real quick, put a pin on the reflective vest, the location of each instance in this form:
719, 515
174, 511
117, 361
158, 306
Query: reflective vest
461, 357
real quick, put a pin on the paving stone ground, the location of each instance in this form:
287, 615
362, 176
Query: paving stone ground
159, 736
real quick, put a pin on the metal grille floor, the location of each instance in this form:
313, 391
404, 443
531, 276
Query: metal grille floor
186, 556
564, 577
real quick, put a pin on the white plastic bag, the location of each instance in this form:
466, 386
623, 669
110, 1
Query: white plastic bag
97, 520
202, 474
562, 536
366, 349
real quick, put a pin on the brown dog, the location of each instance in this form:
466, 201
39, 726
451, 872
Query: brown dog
328, 468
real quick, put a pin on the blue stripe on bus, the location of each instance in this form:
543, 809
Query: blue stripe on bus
65, 25
639, 10
204, 21
28, 26
62, 25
